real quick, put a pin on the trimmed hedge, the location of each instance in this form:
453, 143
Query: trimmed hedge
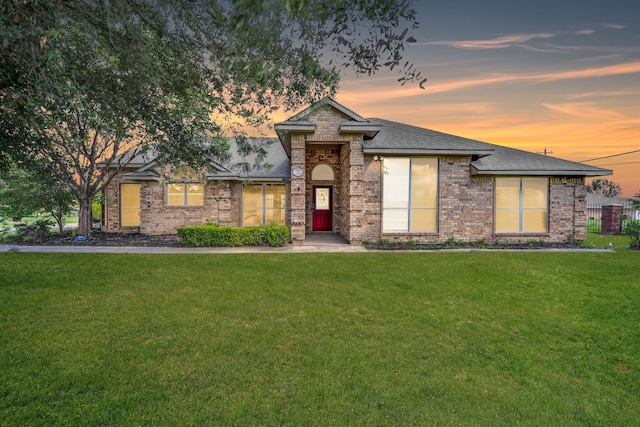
215, 235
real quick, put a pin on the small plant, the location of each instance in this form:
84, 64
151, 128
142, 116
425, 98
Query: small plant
632, 229
44, 225
482, 243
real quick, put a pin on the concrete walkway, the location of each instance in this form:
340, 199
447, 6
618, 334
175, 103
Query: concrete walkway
317, 242
246, 250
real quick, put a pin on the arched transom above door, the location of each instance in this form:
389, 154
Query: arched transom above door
323, 172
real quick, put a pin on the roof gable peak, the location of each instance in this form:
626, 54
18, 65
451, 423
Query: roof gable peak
332, 103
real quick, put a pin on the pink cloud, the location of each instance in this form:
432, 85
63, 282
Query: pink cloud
610, 70
497, 43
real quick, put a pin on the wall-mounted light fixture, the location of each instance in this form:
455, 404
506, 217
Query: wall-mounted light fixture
378, 157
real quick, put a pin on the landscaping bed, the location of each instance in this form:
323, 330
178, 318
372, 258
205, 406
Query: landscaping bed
97, 238
414, 245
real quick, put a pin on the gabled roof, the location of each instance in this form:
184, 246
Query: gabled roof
509, 161
398, 138
382, 137
354, 122
276, 157
489, 159
232, 169
326, 101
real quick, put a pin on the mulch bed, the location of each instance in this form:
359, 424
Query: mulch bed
395, 246
97, 238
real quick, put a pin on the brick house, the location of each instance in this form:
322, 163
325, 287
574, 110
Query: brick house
334, 171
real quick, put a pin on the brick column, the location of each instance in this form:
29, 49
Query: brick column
298, 189
611, 221
356, 193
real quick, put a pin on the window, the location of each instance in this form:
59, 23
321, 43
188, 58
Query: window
263, 204
185, 188
521, 205
410, 195
130, 205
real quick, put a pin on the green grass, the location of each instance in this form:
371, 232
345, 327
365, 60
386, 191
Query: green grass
491, 338
596, 240
6, 222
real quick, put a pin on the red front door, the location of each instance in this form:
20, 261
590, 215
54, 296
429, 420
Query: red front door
322, 209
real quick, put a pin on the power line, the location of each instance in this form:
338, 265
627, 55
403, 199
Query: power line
613, 155
622, 163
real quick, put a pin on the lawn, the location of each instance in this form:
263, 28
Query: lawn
491, 338
8, 222
600, 241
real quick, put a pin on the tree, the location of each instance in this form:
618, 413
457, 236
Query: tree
24, 191
84, 82
604, 187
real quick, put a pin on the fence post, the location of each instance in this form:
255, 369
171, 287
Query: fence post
611, 219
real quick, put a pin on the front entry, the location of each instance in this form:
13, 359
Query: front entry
322, 209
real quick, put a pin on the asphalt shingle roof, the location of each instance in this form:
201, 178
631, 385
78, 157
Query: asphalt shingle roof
233, 168
276, 157
489, 159
391, 138
400, 138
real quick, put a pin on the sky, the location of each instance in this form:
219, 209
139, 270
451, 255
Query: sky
560, 75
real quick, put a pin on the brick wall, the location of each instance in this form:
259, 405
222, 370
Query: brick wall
466, 207
222, 205
372, 199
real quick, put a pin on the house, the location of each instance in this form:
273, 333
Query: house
365, 179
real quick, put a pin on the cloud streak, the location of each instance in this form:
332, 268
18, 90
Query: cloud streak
496, 43
610, 70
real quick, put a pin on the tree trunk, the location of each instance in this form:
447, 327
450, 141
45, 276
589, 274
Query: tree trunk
60, 220
84, 217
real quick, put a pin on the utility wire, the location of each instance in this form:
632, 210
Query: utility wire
613, 155
622, 163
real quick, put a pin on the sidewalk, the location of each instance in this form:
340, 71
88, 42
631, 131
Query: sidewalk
175, 250
318, 243
343, 248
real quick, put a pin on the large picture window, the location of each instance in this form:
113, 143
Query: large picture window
263, 204
521, 205
410, 195
185, 188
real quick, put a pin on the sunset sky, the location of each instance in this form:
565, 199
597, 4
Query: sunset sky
562, 75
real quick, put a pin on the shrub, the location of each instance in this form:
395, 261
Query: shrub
632, 229
96, 212
215, 235
38, 230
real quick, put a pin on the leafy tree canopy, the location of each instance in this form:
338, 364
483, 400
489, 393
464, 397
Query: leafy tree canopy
84, 81
604, 187
27, 189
